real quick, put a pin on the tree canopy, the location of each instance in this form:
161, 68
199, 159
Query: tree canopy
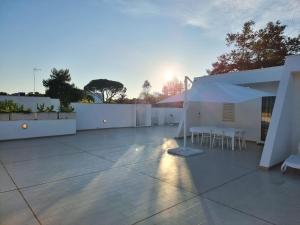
109, 89
173, 87
254, 49
36, 94
59, 86
145, 94
146, 86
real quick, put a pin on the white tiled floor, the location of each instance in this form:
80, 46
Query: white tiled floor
6, 183
125, 176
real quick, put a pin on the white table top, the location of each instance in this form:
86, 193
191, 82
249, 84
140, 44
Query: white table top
213, 129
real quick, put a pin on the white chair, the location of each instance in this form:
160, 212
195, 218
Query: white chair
239, 138
205, 138
218, 136
242, 139
292, 161
228, 139
194, 131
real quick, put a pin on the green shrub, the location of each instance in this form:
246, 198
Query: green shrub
42, 108
50, 108
9, 106
66, 108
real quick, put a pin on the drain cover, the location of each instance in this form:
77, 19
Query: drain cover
185, 152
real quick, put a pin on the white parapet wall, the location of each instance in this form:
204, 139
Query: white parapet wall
97, 116
10, 130
163, 116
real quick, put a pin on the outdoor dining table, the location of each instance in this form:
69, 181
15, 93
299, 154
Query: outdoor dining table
227, 131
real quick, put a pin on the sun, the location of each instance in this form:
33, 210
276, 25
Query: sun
169, 75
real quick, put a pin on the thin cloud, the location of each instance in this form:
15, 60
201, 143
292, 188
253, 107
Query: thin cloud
216, 16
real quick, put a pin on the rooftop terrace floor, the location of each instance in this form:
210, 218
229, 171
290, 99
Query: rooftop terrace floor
125, 176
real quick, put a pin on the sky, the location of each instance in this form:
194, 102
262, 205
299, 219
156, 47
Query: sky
129, 41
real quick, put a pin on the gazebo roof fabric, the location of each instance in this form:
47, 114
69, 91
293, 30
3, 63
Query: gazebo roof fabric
219, 93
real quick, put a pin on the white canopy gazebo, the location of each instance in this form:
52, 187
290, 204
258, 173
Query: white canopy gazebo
209, 91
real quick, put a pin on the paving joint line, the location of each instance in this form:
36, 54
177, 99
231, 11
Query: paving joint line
229, 181
180, 188
66, 178
23, 197
113, 147
43, 157
198, 194
78, 175
201, 195
8, 190
238, 210
161, 211
123, 165
127, 164
100, 157
166, 182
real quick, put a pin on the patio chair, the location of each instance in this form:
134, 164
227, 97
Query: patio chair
218, 136
239, 139
194, 131
227, 140
292, 161
205, 138
242, 139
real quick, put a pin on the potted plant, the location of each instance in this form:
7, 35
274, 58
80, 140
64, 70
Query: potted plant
5, 110
45, 113
19, 113
10, 110
66, 112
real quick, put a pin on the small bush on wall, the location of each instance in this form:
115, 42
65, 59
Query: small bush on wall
9, 106
41, 108
66, 108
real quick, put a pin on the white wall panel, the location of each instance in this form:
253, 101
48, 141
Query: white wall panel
96, 116
36, 128
162, 116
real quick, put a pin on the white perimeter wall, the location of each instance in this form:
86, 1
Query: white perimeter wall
31, 102
95, 116
36, 128
162, 116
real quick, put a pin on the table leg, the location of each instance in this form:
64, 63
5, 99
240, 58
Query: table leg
201, 139
232, 143
222, 143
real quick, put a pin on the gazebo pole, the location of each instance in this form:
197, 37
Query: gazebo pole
184, 111
185, 151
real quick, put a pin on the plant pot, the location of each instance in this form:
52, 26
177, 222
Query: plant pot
66, 115
22, 116
46, 115
4, 116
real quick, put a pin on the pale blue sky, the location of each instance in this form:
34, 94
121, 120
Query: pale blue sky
127, 41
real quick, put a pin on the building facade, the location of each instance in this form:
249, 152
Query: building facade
274, 121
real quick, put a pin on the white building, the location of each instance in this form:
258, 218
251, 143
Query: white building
281, 132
